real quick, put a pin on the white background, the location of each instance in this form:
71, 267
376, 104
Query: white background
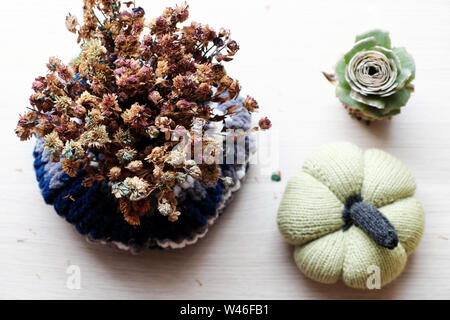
285, 46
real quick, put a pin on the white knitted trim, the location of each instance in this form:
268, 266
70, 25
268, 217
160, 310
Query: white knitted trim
168, 244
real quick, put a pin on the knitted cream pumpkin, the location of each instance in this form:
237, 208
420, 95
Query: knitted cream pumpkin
350, 212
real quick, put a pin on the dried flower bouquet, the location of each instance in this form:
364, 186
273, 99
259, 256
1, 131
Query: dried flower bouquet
111, 122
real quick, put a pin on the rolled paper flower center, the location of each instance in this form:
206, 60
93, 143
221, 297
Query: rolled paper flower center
371, 221
372, 73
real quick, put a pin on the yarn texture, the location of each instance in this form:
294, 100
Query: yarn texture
348, 211
96, 214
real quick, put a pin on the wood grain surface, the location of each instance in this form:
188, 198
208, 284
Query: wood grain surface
284, 47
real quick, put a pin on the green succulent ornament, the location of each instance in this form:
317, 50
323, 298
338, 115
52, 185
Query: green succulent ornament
373, 80
351, 215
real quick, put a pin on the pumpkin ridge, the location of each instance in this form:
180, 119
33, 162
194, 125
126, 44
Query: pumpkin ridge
411, 228
314, 226
338, 166
375, 159
390, 262
321, 182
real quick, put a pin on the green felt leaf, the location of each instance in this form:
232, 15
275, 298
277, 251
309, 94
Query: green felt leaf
371, 100
382, 37
343, 94
397, 100
386, 179
365, 44
406, 61
392, 113
340, 72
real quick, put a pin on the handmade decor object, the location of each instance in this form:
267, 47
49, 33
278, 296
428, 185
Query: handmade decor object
373, 80
142, 138
351, 215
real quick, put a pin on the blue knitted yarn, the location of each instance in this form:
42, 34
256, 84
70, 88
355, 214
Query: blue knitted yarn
95, 211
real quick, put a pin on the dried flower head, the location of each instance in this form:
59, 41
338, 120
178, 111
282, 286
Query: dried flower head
228, 182
126, 155
251, 104
135, 166
70, 167
96, 138
110, 105
71, 23
133, 188
114, 173
73, 150
265, 123
54, 145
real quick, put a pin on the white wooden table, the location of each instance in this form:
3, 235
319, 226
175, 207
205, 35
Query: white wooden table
285, 46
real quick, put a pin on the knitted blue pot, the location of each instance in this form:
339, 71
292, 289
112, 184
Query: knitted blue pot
95, 211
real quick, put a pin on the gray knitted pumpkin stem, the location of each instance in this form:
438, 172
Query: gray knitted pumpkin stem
371, 221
